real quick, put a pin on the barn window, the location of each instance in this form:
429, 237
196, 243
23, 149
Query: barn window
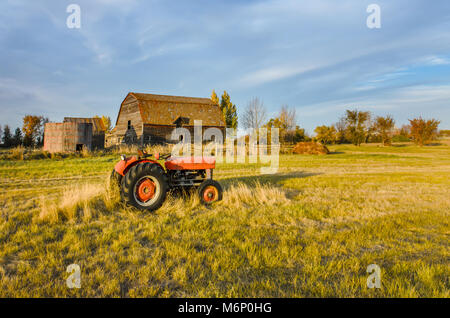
181, 121
129, 124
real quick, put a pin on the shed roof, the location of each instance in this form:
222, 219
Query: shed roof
165, 110
97, 123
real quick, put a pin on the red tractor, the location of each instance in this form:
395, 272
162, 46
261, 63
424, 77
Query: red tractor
144, 183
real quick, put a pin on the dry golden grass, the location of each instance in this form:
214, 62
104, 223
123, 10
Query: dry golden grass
17, 153
86, 201
241, 195
80, 202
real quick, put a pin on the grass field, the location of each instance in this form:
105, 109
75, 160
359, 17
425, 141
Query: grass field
309, 231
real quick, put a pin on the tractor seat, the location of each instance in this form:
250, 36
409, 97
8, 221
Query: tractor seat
190, 163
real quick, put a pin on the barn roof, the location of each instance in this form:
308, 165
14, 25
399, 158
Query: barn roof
165, 110
97, 123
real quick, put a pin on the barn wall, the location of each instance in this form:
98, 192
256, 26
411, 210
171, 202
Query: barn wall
64, 137
129, 111
54, 137
98, 130
155, 134
98, 140
83, 136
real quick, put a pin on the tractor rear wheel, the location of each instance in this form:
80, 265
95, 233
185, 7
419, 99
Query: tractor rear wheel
145, 186
210, 191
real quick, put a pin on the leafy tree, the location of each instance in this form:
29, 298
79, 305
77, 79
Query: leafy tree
275, 123
17, 139
229, 111
7, 137
423, 131
325, 134
357, 126
106, 122
254, 114
341, 127
32, 129
215, 98
300, 135
402, 135
286, 123
384, 127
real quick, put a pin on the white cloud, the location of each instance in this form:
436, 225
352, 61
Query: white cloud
436, 60
272, 74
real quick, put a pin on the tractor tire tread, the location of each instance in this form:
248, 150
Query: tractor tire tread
133, 174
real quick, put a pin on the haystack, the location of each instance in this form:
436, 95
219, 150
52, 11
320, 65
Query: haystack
310, 148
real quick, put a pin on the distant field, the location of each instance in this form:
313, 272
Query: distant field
309, 231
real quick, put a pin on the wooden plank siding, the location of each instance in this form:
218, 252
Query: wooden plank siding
98, 129
65, 137
155, 134
129, 111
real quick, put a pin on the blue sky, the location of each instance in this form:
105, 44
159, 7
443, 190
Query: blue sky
317, 56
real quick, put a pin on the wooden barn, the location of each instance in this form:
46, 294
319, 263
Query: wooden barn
74, 134
150, 119
98, 129
67, 137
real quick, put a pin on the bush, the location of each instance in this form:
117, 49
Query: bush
35, 155
423, 131
400, 138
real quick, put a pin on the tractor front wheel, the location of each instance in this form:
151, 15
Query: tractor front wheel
210, 191
145, 187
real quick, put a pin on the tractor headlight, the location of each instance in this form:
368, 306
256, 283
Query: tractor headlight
123, 157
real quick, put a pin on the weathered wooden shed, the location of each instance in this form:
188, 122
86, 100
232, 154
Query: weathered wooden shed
98, 129
150, 119
67, 137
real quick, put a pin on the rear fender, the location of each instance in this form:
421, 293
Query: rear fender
123, 166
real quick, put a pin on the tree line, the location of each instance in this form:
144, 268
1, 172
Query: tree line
255, 116
359, 127
355, 127
31, 134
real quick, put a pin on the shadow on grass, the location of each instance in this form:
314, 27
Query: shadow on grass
399, 145
266, 179
270, 180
